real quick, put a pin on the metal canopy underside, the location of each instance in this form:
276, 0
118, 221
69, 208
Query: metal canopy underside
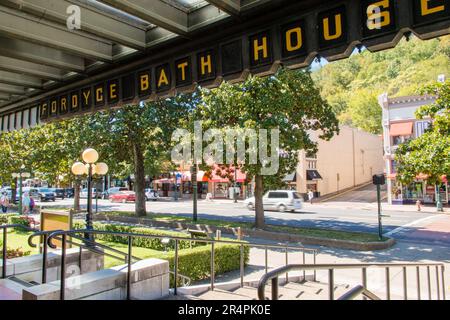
41, 55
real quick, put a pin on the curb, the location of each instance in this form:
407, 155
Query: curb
268, 235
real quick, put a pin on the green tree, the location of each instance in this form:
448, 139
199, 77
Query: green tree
288, 101
430, 153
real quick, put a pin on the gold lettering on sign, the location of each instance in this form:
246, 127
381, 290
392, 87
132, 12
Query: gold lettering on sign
63, 104
86, 95
376, 19
144, 82
163, 79
182, 67
426, 10
206, 64
297, 33
113, 91
99, 94
326, 28
257, 48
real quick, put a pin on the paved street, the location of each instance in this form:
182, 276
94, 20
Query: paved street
350, 216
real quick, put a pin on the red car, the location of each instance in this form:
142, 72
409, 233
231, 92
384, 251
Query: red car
123, 196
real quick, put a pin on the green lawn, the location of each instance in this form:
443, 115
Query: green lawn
19, 239
312, 232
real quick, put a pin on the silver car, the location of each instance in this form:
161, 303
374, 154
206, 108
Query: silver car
281, 200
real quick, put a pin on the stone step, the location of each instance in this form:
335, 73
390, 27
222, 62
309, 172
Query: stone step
10, 290
219, 294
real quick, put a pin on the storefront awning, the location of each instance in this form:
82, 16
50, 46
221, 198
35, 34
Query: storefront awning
401, 129
313, 175
290, 177
165, 180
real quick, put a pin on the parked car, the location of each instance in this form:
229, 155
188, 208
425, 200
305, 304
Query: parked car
59, 192
69, 192
123, 196
45, 194
95, 193
281, 200
151, 194
111, 191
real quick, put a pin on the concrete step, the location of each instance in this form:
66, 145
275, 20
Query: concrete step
219, 294
10, 290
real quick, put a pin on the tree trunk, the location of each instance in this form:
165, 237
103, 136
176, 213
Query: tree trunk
76, 197
14, 191
139, 183
259, 208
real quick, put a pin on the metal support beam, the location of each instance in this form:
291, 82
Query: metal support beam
232, 7
29, 68
94, 20
20, 79
16, 24
15, 48
7, 88
156, 12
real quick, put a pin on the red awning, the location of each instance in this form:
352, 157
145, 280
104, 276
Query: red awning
444, 178
420, 176
401, 129
165, 180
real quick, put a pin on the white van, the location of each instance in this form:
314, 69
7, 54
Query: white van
281, 200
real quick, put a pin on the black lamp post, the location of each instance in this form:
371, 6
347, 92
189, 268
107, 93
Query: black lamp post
90, 156
194, 191
20, 175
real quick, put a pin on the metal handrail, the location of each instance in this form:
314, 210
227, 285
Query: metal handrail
356, 291
212, 242
274, 275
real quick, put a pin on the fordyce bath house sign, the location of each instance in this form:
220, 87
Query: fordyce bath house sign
260, 48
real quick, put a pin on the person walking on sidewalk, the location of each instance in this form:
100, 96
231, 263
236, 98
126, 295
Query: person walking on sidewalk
26, 201
4, 201
310, 196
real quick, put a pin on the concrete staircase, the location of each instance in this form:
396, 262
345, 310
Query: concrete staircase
308, 290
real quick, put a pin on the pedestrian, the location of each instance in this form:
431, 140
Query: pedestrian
4, 201
419, 205
310, 196
26, 200
31, 204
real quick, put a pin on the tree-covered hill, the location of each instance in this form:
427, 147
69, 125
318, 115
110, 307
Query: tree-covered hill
352, 85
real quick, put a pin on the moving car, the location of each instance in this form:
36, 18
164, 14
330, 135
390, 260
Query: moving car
281, 200
151, 194
111, 191
45, 194
123, 196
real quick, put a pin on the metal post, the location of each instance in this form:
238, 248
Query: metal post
443, 282
331, 284
287, 262
314, 255
266, 259
405, 285
275, 288
4, 252
80, 258
429, 282
418, 282
20, 192
44, 260
88, 236
130, 247
242, 265
364, 280
438, 284
438, 199
380, 231
212, 266
194, 192
304, 262
234, 185
63, 269
175, 267
388, 284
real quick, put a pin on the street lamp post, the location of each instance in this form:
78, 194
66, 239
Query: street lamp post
234, 187
194, 191
89, 168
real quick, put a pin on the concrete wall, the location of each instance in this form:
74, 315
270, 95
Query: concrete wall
347, 160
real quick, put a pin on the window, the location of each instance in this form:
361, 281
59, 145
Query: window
278, 195
421, 127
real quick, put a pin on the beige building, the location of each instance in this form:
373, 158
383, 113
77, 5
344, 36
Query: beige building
347, 160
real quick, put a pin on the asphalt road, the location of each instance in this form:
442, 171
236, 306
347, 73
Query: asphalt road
349, 216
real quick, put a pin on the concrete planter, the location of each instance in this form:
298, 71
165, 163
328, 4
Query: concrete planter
276, 236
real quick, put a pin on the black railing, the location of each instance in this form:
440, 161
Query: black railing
62, 235
439, 277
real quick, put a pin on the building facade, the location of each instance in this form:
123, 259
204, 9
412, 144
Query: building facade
347, 160
400, 125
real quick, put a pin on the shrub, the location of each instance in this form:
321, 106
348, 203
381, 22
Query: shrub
6, 218
19, 220
195, 263
150, 243
14, 253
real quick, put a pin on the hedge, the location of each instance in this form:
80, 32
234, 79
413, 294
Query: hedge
150, 243
6, 218
196, 262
